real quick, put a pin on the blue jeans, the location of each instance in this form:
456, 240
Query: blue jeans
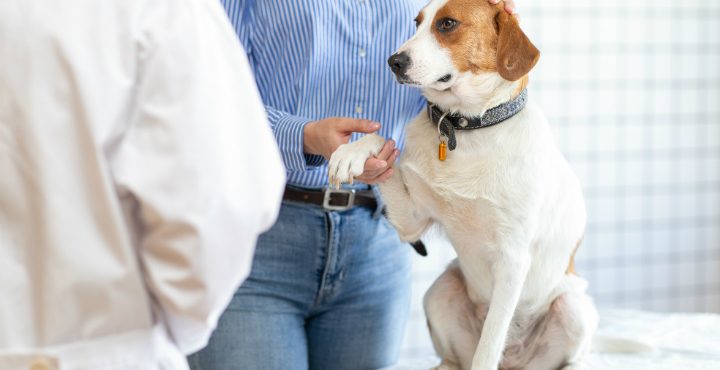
327, 291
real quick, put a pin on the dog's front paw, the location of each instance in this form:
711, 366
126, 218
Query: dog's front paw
484, 363
348, 160
578, 365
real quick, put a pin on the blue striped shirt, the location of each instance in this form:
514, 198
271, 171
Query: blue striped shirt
315, 59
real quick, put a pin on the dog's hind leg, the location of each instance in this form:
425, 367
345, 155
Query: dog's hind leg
564, 333
575, 320
454, 321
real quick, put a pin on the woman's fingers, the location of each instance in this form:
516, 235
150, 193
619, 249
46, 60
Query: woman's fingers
376, 168
376, 165
509, 5
386, 150
384, 177
393, 157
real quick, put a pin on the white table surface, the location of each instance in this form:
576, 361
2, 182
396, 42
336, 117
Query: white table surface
673, 341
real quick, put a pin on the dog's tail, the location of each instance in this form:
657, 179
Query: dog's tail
606, 344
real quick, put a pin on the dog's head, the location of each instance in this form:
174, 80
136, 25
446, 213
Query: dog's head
462, 51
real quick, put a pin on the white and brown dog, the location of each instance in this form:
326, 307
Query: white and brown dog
505, 196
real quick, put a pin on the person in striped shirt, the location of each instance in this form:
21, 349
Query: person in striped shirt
330, 282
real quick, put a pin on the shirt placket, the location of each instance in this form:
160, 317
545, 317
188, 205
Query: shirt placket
361, 52
362, 45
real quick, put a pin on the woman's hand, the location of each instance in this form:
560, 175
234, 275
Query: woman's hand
323, 137
509, 5
379, 169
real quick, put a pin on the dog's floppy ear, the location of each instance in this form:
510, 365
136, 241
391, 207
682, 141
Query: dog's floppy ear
516, 55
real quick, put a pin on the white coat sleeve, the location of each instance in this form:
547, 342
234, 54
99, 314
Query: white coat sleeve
199, 164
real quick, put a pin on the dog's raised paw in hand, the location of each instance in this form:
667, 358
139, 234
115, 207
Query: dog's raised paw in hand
348, 160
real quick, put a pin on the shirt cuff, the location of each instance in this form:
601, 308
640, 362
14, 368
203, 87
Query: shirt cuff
314, 160
289, 136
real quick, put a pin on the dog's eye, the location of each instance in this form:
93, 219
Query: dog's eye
417, 23
446, 24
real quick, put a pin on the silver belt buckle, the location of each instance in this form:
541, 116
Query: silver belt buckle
328, 194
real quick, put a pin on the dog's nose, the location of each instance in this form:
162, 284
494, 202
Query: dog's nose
399, 63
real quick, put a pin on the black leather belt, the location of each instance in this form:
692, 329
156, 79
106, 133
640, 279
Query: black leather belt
332, 199
340, 200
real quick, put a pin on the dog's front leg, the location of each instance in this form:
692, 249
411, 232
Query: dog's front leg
508, 273
409, 221
347, 163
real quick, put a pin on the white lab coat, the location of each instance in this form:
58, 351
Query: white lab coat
136, 170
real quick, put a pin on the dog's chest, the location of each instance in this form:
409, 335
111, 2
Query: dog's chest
478, 168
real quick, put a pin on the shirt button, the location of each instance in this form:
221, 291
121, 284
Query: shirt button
362, 53
358, 109
40, 364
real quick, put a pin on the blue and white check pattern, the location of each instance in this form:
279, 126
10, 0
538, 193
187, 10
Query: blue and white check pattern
315, 59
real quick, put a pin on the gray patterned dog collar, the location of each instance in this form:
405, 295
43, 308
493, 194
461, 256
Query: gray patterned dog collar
447, 123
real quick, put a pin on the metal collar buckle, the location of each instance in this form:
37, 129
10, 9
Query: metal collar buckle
328, 195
